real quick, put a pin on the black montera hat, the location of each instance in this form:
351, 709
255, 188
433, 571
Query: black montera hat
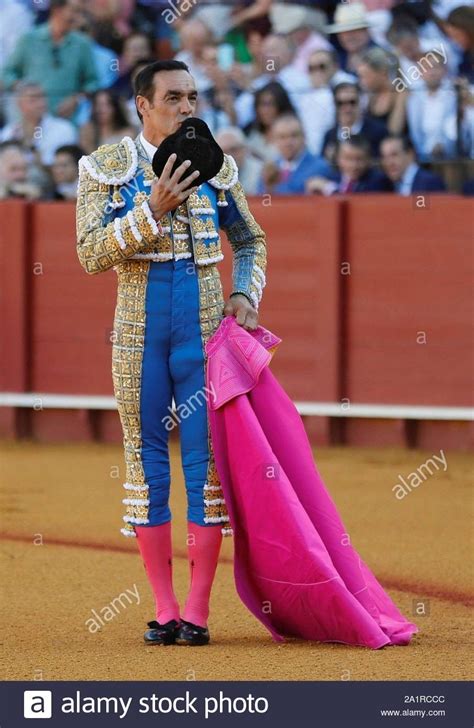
192, 141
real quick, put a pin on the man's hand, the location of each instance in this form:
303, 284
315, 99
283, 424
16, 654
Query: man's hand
242, 309
168, 192
68, 106
270, 174
316, 185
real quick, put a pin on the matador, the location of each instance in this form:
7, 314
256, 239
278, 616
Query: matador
161, 236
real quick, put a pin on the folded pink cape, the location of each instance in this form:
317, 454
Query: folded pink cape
294, 566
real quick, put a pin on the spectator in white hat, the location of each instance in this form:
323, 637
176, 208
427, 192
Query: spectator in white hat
351, 27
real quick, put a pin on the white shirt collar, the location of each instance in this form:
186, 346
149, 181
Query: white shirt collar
408, 176
149, 148
294, 163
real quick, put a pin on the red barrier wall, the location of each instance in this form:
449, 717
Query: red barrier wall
73, 312
351, 283
409, 301
14, 369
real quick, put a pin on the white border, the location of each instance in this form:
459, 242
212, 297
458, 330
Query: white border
321, 409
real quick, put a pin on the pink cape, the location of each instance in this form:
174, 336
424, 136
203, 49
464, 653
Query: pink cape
294, 566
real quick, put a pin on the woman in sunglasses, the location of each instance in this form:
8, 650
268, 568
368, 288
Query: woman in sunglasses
350, 120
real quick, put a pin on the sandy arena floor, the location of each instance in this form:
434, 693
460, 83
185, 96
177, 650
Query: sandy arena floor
62, 556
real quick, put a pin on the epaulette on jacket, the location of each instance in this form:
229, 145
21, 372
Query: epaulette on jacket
227, 175
226, 178
112, 164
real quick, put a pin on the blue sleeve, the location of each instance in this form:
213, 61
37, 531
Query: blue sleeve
248, 243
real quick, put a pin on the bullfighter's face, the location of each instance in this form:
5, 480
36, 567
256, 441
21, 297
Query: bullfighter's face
174, 100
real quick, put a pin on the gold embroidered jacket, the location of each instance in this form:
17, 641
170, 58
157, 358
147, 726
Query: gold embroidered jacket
115, 229
115, 224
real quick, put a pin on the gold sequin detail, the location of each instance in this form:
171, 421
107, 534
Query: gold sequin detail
200, 225
127, 358
127, 233
98, 248
140, 198
207, 251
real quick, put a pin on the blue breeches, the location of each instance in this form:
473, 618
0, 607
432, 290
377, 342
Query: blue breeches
173, 367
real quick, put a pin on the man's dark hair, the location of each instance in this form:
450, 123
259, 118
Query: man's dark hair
54, 4
331, 52
281, 100
73, 150
401, 28
146, 61
288, 116
407, 144
359, 141
346, 84
143, 83
11, 144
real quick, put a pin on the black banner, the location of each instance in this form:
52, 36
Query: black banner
318, 704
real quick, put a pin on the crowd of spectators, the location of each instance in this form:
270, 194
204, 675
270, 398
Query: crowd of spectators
309, 96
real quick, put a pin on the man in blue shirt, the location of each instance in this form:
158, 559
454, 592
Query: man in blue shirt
295, 164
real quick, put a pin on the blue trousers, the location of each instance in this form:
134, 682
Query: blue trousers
173, 367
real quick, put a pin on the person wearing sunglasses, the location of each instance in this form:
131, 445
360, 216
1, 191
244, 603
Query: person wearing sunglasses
350, 120
325, 74
324, 70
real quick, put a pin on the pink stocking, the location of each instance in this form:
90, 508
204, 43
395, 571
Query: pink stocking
155, 547
204, 543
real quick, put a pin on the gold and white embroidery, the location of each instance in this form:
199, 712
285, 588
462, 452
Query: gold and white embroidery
127, 358
128, 244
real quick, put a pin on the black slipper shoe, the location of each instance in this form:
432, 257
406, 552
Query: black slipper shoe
161, 634
192, 634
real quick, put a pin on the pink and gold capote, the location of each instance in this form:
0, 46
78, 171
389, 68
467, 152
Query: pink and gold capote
294, 566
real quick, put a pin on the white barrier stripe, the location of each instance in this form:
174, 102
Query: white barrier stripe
321, 409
